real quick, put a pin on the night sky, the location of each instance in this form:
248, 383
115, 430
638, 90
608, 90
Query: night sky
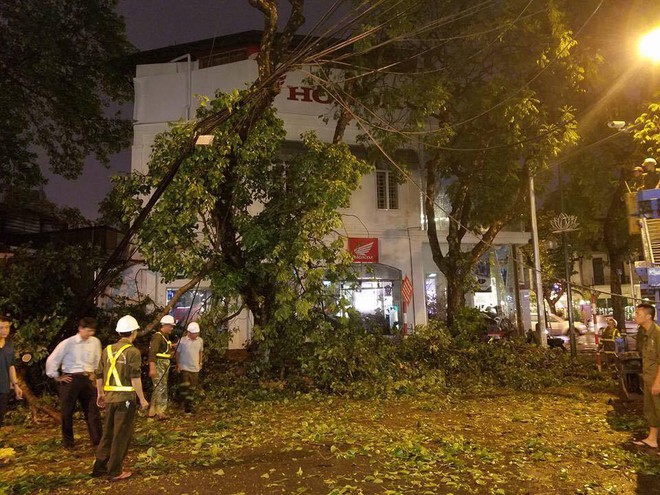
153, 24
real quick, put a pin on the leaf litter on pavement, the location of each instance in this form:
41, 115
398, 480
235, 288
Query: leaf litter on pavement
570, 440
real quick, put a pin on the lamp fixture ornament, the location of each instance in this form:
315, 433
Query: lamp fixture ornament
564, 223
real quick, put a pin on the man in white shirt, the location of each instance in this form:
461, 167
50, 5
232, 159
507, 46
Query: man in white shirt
189, 363
78, 357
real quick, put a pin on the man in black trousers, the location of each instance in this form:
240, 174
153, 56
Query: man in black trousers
77, 357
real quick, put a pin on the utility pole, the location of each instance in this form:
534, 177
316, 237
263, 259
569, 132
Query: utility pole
540, 303
563, 224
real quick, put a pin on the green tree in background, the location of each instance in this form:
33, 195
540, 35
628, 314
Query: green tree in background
61, 65
484, 93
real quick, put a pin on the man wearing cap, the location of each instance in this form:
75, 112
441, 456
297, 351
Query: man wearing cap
160, 356
637, 181
651, 175
78, 357
189, 363
118, 383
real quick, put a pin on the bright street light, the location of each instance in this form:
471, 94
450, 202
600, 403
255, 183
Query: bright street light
649, 46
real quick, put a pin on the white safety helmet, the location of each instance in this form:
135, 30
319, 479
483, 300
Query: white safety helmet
649, 163
193, 327
167, 320
127, 324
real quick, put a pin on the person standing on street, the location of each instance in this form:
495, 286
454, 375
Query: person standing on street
118, 383
189, 354
608, 342
8, 376
78, 357
648, 344
160, 357
651, 175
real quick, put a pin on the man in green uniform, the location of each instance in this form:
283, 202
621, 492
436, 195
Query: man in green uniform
608, 342
648, 345
160, 356
118, 383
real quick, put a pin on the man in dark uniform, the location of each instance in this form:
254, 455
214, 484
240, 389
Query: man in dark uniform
118, 382
608, 342
648, 345
160, 357
637, 181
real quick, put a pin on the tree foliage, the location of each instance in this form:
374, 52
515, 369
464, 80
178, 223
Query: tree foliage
485, 94
40, 288
258, 224
61, 66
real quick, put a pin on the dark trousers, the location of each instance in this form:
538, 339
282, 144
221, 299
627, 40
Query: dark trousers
4, 400
79, 389
117, 434
189, 381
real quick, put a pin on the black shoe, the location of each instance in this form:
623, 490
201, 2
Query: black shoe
99, 469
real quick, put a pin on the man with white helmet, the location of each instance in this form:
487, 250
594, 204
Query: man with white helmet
651, 175
118, 383
160, 357
189, 363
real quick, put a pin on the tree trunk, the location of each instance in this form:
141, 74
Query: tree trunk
618, 302
455, 296
617, 242
33, 402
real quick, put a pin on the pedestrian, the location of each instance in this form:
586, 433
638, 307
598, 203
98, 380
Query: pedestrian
608, 337
118, 383
637, 181
651, 175
189, 354
78, 358
160, 358
648, 344
8, 378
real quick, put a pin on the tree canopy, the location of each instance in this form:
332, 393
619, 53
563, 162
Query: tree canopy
485, 94
61, 66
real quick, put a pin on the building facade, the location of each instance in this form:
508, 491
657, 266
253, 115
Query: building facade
384, 226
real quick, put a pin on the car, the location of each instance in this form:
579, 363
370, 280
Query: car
558, 326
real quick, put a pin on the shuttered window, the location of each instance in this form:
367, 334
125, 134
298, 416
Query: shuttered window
387, 191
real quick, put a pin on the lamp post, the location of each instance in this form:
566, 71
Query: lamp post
563, 224
649, 46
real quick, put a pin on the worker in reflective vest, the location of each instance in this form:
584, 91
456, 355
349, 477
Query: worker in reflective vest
118, 384
608, 342
161, 351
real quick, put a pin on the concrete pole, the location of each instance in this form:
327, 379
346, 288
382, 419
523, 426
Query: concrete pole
540, 303
569, 298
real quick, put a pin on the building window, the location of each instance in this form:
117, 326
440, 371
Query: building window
387, 191
599, 271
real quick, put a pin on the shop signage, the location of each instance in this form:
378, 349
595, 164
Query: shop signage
308, 94
406, 290
363, 249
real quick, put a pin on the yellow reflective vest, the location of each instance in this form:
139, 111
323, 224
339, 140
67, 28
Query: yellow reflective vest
113, 375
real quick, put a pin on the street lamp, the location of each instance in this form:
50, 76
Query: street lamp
649, 46
563, 224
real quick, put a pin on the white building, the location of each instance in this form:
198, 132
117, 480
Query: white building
385, 213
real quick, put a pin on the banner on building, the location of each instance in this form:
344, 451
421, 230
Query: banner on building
363, 249
482, 274
406, 290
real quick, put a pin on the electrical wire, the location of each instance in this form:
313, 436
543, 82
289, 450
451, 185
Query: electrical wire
489, 244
